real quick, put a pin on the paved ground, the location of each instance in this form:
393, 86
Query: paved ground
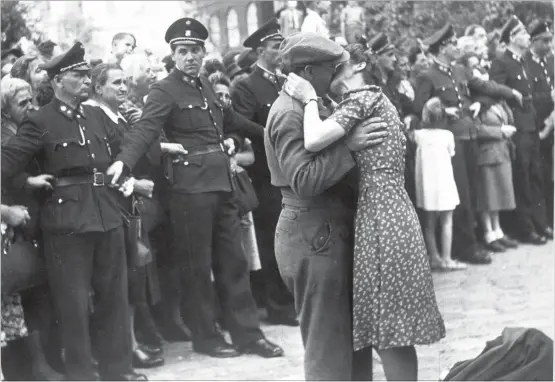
516, 290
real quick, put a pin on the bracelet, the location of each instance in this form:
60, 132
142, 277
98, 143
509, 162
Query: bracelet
310, 100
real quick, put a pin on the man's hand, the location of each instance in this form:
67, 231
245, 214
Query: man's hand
115, 171
508, 130
134, 116
40, 181
368, 133
229, 144
518, 97
16, 215
299, 88
452, 112
144, 187
173, 148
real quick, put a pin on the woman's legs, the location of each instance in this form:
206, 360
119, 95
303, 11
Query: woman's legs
487, 224
400, 364
446, 224
430, 220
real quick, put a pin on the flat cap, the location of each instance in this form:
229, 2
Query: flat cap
247, 59
540, 28
512, 26
229, 60
440, 37
305, 48
380, 44
186, 31
268, 31
73, 59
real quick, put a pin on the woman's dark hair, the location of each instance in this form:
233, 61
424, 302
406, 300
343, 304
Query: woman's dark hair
360, 53
99, 75
219, 78
46, 49
20, 68
212, 66
168, 63
413, 54
44, 93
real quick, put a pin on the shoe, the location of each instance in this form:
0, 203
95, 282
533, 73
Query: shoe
286, 318
495, 246
507, 242
263, 348
547, 233
223, 350
534, 238
142, 360
132, 376
479, 257
152, 350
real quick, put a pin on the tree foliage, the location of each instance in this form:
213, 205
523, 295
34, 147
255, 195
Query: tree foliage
14, 23
404, 21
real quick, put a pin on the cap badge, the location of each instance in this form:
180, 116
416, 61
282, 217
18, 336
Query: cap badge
187, 33
188, 22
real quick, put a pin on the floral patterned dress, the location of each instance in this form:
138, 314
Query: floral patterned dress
394, 301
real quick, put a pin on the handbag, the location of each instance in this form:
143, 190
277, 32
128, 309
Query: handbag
244, 195
23, 267
138, 253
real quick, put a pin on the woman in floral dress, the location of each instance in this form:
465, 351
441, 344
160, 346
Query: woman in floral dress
394, 304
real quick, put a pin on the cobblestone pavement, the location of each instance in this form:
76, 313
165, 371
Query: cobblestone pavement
516, 290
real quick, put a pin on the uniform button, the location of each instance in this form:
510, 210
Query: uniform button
186, 163
269, 105
89, 141
92, 156
78, 116
65, 144
60, 201
190, 106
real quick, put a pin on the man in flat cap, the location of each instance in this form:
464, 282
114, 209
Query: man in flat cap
512, 70
540, 63
452, 84
204, 218
313, 249
253, 96
82, 227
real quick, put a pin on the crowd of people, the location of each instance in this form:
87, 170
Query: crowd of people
305, 180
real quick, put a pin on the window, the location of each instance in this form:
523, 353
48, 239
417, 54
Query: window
215, 34
252, 18
233, 34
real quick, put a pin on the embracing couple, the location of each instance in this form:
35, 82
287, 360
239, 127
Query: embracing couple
336, 168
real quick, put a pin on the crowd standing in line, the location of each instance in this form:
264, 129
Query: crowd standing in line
323, 181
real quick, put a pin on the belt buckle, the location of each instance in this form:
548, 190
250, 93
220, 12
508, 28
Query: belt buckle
98, 179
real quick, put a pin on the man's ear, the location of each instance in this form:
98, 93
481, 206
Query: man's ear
360, 66
309, 71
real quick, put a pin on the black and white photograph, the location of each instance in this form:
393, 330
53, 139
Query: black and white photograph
277, 190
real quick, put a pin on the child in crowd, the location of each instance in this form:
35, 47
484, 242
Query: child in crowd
436, 191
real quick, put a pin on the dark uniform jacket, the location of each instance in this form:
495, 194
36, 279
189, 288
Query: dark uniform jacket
189, 112
52, 135
541, 73
453, 85
253, 97
512, 71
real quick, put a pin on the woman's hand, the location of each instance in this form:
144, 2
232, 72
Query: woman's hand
15, 215
134, 116
144, 187
299, 88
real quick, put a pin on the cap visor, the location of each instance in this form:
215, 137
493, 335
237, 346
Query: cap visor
343, 58
546, 34
187, 42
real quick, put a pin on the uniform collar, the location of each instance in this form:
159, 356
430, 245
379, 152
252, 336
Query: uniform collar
185, 78
266, 73
66, 110
515, 56
536, 58
441, 66
113, 116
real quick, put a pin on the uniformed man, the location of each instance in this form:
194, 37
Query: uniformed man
81, 223
452, 84
205, 221
314, 247
252, 97
540, 63
512, 70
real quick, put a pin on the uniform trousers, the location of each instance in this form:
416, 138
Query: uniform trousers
528, 183
77, 263
268, 286
314, 251
206, 236
546, 150
465, 243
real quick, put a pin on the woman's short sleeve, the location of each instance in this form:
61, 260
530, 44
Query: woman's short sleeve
355, 109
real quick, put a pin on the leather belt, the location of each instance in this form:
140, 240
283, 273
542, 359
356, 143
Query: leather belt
97, 179
201, 150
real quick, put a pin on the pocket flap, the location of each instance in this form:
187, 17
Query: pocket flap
62, 195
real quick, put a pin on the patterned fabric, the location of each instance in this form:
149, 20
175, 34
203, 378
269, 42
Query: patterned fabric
394, 301
13, 322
